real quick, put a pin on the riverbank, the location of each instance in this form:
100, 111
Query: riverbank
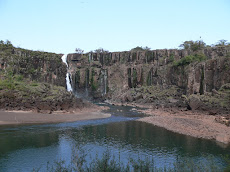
30, 117
200, 124
196, 124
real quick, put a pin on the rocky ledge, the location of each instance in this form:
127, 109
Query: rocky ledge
17, 93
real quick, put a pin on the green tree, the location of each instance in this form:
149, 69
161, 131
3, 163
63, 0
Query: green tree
193, 45
138, 48
101, 50
222, 42
8, 42
79, 51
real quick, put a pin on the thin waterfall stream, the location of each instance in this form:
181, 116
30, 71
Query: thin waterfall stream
68, 77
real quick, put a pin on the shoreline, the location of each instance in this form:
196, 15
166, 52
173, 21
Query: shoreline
31, 117
192, 123
195, 124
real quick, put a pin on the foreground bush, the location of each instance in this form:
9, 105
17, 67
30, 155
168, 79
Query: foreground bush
108, 163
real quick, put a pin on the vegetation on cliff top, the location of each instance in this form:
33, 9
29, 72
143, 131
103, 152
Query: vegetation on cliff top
193, 45
190, 59
15, 56
138, 48
19, 86
34, 65
200, 44
7, 49
101, 50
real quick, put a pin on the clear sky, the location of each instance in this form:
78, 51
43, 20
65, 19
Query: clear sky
116, 25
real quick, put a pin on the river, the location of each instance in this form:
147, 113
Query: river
28, 147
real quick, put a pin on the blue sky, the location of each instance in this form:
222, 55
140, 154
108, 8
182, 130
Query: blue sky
116, 25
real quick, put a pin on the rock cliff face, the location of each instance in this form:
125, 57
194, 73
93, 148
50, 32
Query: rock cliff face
34, 80
109, 72
112, 75
35, 65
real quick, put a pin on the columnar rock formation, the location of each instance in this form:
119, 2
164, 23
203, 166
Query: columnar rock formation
35, 65
111, 73
166, 78
32, 80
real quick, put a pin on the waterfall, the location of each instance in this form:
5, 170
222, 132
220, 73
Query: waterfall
68, 83
104, 82
68, 77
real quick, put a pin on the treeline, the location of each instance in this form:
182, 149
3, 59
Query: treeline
187, 45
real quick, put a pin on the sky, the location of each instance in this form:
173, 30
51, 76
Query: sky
61, 26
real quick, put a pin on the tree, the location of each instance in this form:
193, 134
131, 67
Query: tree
101, 50
186, 45
79, 51
193, 45
8, 42
138, 48
222, 42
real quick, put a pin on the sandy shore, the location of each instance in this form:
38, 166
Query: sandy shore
189, 123
29, 117
195, 124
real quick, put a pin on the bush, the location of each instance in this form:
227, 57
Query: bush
108, 163
7, 84
18, 77
140, 49
193, 45
101, 50
34, 84
225, 87
190, 59
222, 42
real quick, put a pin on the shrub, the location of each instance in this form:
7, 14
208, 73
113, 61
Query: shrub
18, 77
101, 50
222, 42
171, 58
7, 84
193, 45
79, 51
34, 84
190, 59
108, 163
138, 48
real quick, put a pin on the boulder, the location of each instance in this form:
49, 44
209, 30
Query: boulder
195, 103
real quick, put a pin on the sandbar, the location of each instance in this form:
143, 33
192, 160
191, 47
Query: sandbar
30, 117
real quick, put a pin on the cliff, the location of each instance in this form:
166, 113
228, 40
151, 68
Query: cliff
34, 80
150, 76
35, 65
